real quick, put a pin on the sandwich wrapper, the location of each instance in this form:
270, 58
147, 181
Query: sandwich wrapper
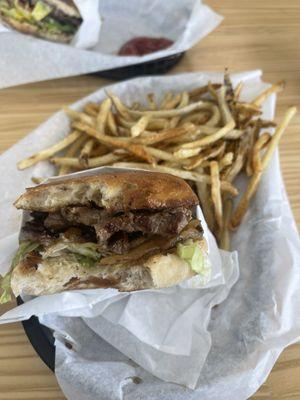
147, 325
94, 49
129, 351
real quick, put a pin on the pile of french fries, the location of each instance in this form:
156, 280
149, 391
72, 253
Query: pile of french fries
207, 136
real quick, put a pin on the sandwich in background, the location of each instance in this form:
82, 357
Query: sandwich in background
55, 20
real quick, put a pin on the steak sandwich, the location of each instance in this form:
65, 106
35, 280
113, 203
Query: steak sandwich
128, 230
56, 20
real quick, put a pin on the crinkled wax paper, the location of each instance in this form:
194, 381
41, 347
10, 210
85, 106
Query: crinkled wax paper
27, 59
247, 331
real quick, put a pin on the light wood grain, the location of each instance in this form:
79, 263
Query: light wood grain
255, 34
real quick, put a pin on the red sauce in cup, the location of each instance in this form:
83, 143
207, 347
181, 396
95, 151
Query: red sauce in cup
142, 45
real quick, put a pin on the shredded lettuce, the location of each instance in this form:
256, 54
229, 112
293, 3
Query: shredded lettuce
12, 13
54, 26
85, 253
86, 262
41, 10
24, 248
84, 249
6, 291
22, 11
193, 254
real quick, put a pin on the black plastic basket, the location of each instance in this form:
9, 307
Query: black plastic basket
41, 339
153, 67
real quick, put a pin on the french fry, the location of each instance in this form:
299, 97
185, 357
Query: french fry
80, 116
169, 113
182, 154
103, 115
172, 102
238, 163
124, 122
120, 107
225, 161
91, 162
184, 100
151, 101
71, 151
189, 136
225, 234
50, 151
243, 204
99, 150
207, 130
205, 201
277, 87
110, 141
192, 176
124, 132
238, 90
157, 124
203, 90
216, 193
205, 155
139, 127
254, 181
86, 151
248, 107
91, 109
253, 136
167, 97
174, 122
215, 117
234, 134
277, 136
224, 109
136, 105
166, 135
211, 138
161, 154
199, 117
228, 85
262, 123
212, 91
262, 141
111, 124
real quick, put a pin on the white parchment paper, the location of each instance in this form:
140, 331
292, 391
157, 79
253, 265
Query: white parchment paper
247, 332
27, 59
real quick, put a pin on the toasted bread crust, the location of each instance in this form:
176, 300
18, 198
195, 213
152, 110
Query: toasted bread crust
115, 191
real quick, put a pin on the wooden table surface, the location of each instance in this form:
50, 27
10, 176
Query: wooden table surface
255, 34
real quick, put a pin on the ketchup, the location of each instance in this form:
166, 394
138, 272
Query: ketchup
142, 45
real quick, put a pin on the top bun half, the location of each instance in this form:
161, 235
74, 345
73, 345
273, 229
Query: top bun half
115, 191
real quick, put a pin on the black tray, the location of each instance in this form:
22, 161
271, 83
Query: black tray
41, 339
153, 67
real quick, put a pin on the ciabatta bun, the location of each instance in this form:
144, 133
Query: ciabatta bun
114, 191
